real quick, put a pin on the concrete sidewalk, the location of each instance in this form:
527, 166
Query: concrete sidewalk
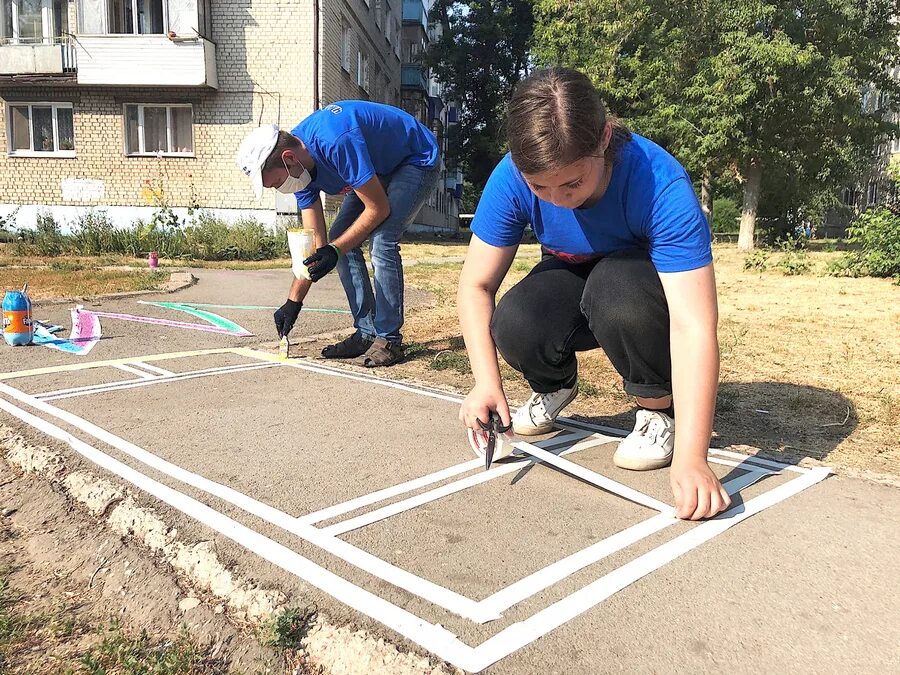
808, 585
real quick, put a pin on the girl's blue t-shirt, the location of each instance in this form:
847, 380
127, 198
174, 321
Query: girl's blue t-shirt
352, 141
649, 204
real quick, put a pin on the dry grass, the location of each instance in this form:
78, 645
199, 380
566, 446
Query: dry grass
797, 352
68, 281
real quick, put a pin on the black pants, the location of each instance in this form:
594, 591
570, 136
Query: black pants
616, 303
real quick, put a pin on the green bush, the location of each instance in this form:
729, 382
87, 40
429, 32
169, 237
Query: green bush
211, 238
48, 238
793, 262
93, 233
726, 213
206, 238
758, 260
876, 234
847, 265
8, 222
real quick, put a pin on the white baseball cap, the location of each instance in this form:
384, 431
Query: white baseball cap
253, 153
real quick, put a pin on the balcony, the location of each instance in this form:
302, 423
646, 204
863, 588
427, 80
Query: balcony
52, 57
454, 178
146, 60
414, 13
413, 77
137, 43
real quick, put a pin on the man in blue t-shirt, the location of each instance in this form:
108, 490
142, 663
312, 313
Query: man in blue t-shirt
627, 267
386, 163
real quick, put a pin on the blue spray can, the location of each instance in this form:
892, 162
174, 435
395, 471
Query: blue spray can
18, 328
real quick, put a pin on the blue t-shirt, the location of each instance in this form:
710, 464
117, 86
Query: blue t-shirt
649, 204
352, 141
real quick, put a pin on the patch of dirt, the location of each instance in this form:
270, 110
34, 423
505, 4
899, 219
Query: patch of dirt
67, 578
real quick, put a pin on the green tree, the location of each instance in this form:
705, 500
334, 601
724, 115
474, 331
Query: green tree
768, 91
479, 58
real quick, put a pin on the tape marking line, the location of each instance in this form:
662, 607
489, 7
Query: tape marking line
153, 369
150, 380
134, 371
431, 636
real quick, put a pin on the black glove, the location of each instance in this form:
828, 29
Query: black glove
322, 261
285, 316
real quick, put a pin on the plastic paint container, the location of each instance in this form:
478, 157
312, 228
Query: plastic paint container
302, 244
18, 328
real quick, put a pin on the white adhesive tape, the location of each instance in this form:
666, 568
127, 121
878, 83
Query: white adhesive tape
502, 448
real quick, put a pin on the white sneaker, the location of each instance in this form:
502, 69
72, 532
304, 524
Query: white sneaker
537, 416
650, 445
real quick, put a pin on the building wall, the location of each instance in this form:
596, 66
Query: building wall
264, 61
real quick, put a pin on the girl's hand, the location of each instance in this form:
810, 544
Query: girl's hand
698, 493
479, 404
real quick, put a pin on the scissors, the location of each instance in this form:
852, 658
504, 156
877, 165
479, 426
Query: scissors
493, 427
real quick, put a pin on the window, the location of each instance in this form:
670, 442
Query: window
33, 20
387, 21
137, 17
872, 193
848, 197
40, 129
362, 72
376, 82
345, 46
379, 14
159, 129
396, 39
895, 141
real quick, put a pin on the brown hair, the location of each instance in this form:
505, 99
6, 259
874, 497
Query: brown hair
556, 117
285, 141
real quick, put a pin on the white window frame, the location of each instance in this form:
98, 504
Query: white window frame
48, 29
38, 153
362, 72
135, 28
346, 32
134, 19
142, 140
872, 193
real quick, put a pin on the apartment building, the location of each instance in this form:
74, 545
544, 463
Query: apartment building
422, 96
874, 187
126, 104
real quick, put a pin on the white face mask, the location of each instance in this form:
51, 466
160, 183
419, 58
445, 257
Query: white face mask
293, 184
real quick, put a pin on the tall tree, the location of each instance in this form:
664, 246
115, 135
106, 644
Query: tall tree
769, 90
479, 58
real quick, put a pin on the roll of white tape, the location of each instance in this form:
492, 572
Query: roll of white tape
503, 447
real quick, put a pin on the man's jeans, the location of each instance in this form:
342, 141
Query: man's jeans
380, 314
